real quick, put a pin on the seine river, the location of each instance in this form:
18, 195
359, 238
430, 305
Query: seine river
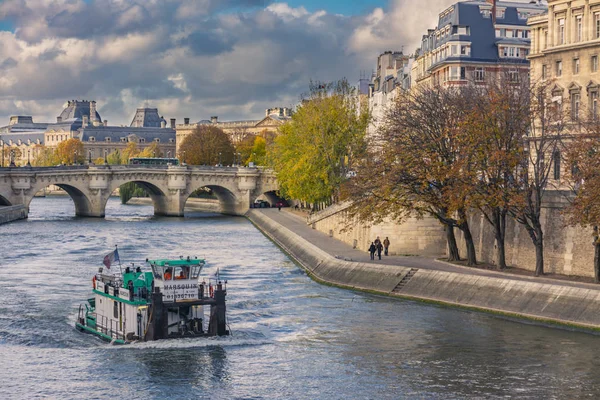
292, 338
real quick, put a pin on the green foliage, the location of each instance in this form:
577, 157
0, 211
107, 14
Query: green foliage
314, 151
151, 151
46, 157
129, 190
114, 158
258, 152
70, 151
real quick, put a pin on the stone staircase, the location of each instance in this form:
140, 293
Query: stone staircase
405, 280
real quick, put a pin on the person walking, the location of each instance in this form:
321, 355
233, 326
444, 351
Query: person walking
386, 245
379, 249
372, 249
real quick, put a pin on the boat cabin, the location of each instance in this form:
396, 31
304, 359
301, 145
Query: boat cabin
177, 279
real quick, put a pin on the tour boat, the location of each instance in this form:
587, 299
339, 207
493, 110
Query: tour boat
166, 302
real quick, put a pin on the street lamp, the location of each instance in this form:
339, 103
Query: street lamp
169, 154
239, 159
2, 152
184, 157
89, 157
75, 157
105, 157
219, 159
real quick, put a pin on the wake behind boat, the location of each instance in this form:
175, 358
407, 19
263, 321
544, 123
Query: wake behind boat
166, 302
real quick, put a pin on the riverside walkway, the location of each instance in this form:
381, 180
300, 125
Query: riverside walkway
341, 250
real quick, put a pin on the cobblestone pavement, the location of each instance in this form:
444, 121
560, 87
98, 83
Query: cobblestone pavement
297, 224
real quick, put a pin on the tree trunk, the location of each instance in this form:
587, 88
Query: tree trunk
539, 254
597, 262
453, 254
500, 234
471, 255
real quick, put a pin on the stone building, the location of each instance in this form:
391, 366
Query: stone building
386, 82
269, 125
80, 119
475, 40
24, 137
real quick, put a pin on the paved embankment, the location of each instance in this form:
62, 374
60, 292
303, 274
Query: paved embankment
544, 300
12, 213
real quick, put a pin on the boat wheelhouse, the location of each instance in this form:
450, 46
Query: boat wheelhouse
167, 302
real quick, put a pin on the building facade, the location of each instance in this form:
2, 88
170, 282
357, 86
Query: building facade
474, 41
237, 130
80, 120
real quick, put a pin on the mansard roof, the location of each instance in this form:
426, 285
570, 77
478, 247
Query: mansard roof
147, 118
115, 133
77, 109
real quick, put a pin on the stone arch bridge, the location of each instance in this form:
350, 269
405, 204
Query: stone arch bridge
169, 186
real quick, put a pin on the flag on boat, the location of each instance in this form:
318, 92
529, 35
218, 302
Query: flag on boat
111, 258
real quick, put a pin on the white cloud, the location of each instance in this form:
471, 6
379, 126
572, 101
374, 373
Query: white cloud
187, 57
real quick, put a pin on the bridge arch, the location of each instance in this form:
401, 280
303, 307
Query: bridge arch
83, 205
229, 203
157, 194
4, 201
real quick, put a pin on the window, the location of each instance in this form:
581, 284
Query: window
575, 99
511, 51
107, 139
499, 13
92, 139
463, 73
561, 31
123, 139
116, 309
479, 74
576, 65
462, 30
544, 72
578, 28
465, 50
594, 104
559, 68
513, 75
157, 140
142, 140
594, 63
597, 24
545, 39
556, 159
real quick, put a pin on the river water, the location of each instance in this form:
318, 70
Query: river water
292, 338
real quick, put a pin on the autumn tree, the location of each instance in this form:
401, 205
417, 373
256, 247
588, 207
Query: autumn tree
258, 152
70, 151
492, 134
11, 153
244, 147
543, 145
151, 151
207, 145
415, 164
315, 149
131, 150
583, 156
46, 157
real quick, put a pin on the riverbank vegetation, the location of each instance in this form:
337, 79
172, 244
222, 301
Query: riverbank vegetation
492, 149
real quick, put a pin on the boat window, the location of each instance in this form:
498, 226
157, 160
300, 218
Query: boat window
195, 272
116, 310
182, 272
168, 273
157, 272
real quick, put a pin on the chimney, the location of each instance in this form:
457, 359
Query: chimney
84, 123
493, 3
163, 123
58, 120
173, 123
214, 119
267, 112
92, 111
186, 121
105, 122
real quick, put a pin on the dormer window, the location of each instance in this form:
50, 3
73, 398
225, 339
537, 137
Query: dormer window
157, 140
142, 140
91, 139
107, 139
171, 140
500, 13
123, 140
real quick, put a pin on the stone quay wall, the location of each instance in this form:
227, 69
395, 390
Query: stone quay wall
424, 237
568, 250
531, 299
12, 213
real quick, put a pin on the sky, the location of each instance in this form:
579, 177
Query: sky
192, 58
